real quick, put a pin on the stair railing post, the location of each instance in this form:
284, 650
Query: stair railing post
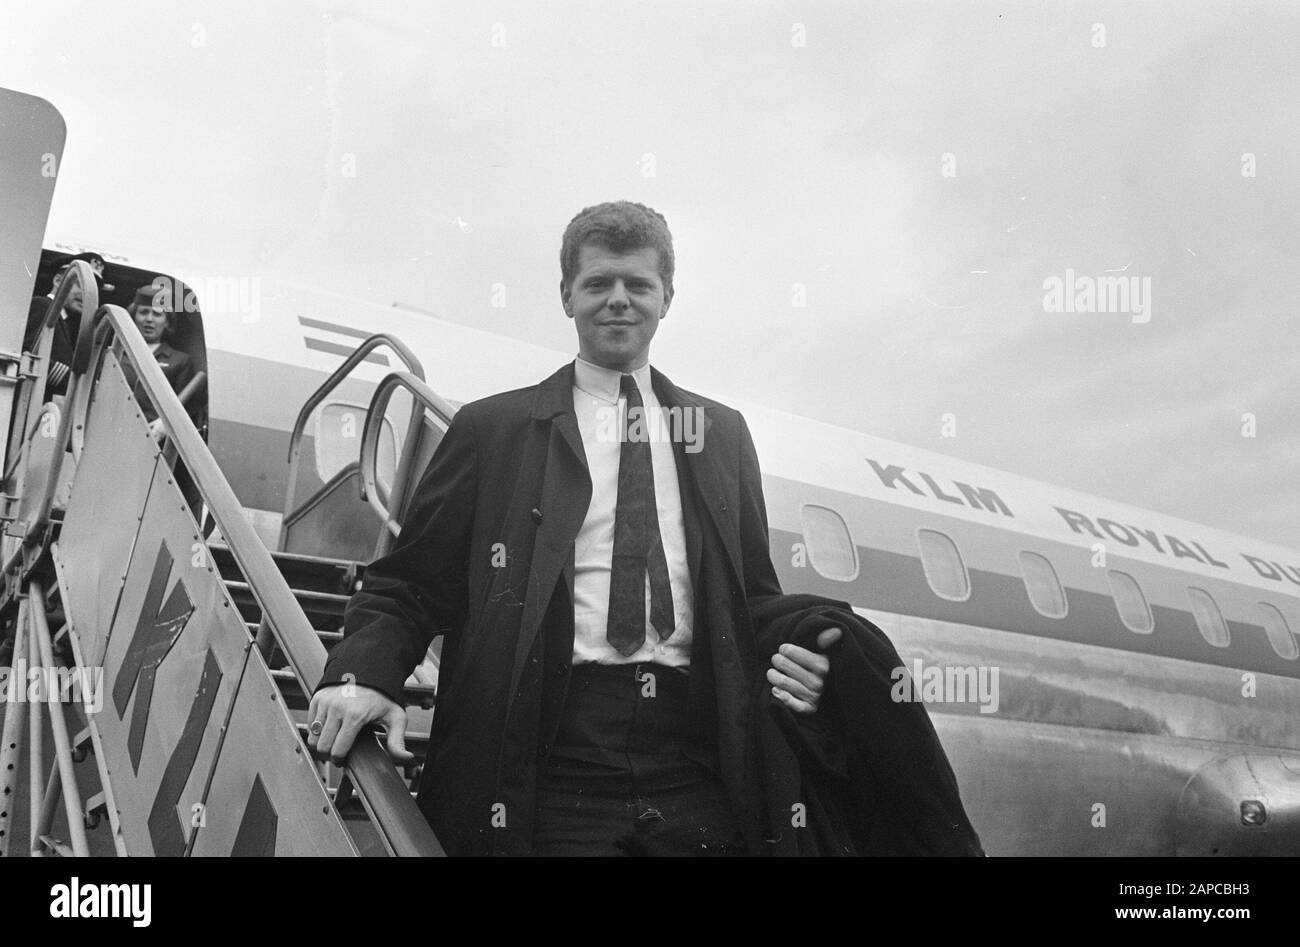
59, 725
11, 749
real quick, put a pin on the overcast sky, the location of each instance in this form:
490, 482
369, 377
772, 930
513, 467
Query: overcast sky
911, 173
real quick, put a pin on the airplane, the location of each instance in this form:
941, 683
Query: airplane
1105, 679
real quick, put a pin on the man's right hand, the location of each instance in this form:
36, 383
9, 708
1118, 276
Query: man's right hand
343, 710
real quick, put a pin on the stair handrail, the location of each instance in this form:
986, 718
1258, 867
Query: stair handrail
424, 398
318, 396
402, 828
78, 275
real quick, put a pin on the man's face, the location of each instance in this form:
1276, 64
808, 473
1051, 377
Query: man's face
152, 322
616, 300
74, 301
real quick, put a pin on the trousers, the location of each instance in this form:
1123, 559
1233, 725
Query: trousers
618, 781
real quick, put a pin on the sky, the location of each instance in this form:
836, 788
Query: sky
869, 202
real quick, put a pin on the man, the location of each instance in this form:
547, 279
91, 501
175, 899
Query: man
65, 332
97, 265
66, 328
598, 662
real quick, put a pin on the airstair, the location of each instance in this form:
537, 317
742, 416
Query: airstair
156, 654
165, 672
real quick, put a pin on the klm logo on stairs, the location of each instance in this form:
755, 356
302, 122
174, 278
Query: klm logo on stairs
155, 633
159, 626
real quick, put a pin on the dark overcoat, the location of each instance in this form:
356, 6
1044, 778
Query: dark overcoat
485, 558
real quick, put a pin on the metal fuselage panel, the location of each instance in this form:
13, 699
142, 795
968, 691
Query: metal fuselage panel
1090, 747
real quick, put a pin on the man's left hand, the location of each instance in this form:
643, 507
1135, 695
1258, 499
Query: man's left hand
798, 676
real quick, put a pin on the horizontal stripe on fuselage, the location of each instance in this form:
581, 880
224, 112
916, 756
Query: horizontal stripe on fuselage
893, 582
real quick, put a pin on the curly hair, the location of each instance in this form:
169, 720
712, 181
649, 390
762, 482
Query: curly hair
621, 227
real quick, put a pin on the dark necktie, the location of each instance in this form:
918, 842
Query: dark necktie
638, 547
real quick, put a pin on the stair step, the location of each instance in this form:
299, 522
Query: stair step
328, 638
280, 556
316, 573
302, 595
323, 609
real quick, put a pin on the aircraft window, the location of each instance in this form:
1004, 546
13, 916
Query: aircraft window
339, 426
1208, 618
1134, 611
1043, 586
944, 569
830, 545
1279, 633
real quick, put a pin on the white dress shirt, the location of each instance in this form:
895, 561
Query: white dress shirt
598, 405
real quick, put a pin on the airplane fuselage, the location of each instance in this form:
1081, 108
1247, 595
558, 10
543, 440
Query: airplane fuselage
1095, 682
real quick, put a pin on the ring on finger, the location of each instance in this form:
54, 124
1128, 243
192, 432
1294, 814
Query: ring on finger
316, 727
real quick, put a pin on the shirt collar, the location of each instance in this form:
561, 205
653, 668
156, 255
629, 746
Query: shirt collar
603, 383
